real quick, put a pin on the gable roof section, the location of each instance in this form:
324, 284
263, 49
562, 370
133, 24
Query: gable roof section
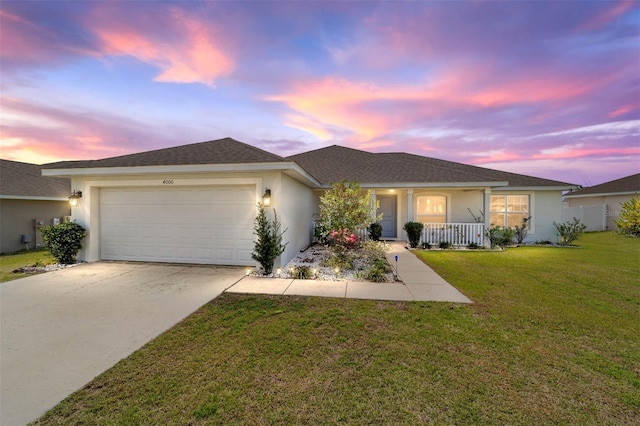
625, 185
25, 181
221, 151
336, 163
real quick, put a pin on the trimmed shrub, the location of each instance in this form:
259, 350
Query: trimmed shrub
445, 245
629, 220
570, 231
268, 245
414, 231
375, 231
64, 241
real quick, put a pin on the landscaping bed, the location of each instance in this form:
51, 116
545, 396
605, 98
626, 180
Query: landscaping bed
317, 257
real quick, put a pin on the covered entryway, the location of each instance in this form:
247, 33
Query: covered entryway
206, 225
389, 209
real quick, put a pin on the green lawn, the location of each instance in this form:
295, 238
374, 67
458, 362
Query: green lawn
551, 338
10, 262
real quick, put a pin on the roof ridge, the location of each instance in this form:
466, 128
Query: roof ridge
255, 148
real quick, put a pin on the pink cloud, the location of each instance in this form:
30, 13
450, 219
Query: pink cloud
371, 110
192, 54
37, 133
609, 15
623, 110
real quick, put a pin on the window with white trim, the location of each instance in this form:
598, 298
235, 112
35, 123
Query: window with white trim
509, 210
431, 209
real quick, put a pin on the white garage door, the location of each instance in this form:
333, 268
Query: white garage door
212, 225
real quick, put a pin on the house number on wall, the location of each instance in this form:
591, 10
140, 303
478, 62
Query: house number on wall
167, 182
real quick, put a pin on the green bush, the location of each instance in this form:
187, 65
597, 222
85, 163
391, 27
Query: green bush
381, 263
339, 257
377, 275
375, 231
445, 245
499, 236
570, 231
629, 221
414, 232
372, 250
268, 245
522, 230
64, 241
301, 273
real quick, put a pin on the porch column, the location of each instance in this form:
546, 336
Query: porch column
487, 211
409, 205
372, 202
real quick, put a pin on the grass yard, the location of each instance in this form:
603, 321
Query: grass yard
10, 262
552, 338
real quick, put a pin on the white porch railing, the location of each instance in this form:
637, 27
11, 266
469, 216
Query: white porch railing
458, 234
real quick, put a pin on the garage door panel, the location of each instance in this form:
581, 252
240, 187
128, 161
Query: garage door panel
193, 225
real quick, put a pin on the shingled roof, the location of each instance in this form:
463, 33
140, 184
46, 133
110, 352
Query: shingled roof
25, 180
625, 185
221, 151
326, 165
337, 163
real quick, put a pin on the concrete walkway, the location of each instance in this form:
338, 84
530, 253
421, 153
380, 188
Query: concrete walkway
419, 283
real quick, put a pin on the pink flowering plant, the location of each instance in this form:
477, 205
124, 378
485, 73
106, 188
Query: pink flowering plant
343, 237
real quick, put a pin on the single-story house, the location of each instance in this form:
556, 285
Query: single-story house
598, 206
28, 201
196, 203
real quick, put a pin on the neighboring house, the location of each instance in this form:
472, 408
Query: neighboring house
598, 206
26, 195
196, 203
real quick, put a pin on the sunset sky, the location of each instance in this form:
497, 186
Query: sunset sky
547, 88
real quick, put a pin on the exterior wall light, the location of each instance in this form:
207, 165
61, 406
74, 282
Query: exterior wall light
74, 197
266, 198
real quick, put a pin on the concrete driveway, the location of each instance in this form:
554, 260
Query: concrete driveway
61, 329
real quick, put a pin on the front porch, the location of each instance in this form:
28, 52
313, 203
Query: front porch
458, 216
457, 234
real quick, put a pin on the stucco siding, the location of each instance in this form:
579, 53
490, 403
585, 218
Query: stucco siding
295, 204
17, 219
462, 202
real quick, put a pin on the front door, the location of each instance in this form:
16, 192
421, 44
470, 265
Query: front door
389, 209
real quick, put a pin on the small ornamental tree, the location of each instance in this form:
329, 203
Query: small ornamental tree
64, 241
629, 220
268, 245
346, 208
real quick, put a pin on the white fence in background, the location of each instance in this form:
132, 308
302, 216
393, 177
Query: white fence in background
595, 217
458, 234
